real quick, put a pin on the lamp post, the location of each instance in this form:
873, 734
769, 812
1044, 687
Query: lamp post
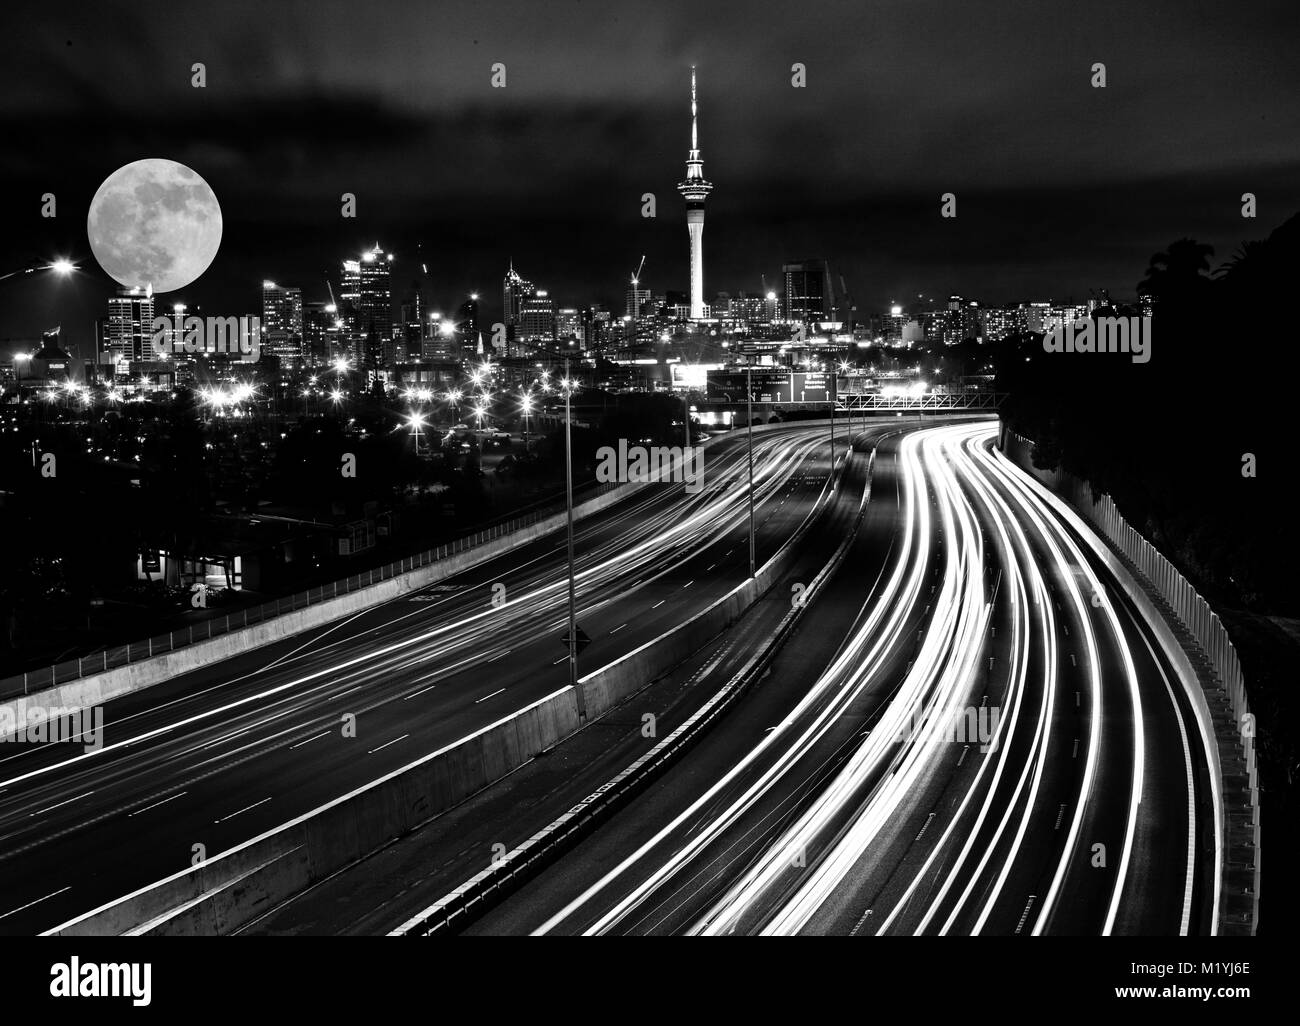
416, 422
573, 599
832, 440
749, 428
844, 369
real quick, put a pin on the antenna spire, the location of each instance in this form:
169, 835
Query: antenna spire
695, 142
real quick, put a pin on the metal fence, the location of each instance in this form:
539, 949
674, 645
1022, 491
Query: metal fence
1195, 613
215, 626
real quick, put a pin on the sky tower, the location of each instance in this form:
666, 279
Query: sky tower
695, 190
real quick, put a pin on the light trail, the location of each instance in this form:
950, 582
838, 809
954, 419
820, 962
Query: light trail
953, 485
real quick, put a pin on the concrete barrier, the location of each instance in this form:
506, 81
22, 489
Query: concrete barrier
222, 893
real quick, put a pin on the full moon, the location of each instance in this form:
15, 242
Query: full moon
154, 224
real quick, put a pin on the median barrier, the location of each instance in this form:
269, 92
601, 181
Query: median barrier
229, 890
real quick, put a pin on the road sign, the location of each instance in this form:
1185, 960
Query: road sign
583, 640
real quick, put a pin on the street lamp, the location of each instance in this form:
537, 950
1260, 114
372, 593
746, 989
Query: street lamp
59, 266
415, 421
573, 600
527, 404
749, 428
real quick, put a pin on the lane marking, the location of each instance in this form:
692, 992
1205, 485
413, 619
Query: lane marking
242, 811
155, 805
36, 902
494, 693
420, 692
1025, 914
60, 805
308, 740
392, 742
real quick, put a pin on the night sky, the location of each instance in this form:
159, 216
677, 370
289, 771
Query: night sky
1061, 187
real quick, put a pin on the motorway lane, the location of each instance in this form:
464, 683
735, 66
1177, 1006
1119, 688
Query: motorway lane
690, 783
408, 876
862, 812
1106, 718
238, 749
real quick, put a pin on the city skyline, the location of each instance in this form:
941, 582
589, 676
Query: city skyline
802, 163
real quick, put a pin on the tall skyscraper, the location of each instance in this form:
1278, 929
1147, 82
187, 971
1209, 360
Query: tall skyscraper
409, 344
568, 324
695, 190
636, 300
808, 294
129, 332
467, 322
514, 291
322, 333
282, 329
368, 306
537, 319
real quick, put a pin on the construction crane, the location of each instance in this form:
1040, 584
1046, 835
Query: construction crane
849, 308
636, 290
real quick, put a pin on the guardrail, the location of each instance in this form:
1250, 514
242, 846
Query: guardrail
110, 658
1195, 614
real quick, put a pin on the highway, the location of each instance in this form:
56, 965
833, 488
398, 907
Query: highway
207, 760
971, 733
